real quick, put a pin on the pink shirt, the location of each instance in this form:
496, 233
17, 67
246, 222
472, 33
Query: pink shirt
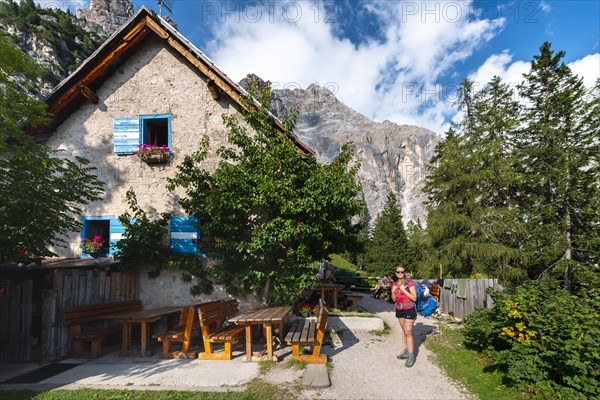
402, 301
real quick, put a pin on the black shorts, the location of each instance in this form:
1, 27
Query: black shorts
411, 313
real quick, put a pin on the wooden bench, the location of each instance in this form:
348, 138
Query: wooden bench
215, 328
188, 321
308, 332
354, 298
435, 292
94, 330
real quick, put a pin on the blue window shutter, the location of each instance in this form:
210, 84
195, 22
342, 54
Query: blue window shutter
116, 232
185, 234
126, 135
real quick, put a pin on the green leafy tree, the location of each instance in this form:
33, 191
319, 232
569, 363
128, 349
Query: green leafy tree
267, 214
389, 244
42, 194
473, 224
558, 148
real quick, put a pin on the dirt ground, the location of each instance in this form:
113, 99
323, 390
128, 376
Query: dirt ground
365, 365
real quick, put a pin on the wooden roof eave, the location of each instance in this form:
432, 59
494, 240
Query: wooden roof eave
137, 34
67, 93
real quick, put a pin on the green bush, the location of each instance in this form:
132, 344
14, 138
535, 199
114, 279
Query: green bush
544, 338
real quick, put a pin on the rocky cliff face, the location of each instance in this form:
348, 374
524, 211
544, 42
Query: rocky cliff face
108, 14
57, 40
392, 157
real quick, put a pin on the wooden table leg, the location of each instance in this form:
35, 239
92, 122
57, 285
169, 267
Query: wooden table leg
281, 332
335, 298
126, 337
144, 338
269, 337
248, 342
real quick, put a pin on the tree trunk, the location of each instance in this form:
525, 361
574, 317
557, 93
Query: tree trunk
568, 254
264, 301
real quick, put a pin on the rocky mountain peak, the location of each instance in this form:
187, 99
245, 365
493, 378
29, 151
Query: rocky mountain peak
393, 157
108, 14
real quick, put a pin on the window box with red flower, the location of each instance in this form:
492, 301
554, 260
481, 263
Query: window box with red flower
152, 154
93, 245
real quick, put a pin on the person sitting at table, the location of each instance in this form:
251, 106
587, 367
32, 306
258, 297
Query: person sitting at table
383, 286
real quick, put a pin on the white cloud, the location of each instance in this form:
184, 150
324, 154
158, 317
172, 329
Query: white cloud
421, 42
501, 65
545, 7
588, 68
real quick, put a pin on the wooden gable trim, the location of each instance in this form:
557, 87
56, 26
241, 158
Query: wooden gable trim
137, 34
89, 94
159, 30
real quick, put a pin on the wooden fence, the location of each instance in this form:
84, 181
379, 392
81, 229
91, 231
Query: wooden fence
462, 296
15, 320
75, 287
32, 320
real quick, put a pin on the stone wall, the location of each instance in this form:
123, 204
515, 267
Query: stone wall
154, 80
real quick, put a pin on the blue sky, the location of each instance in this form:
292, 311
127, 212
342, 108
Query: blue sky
395, 60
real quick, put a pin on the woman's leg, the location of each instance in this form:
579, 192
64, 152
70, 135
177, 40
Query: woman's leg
407, 327
402, 322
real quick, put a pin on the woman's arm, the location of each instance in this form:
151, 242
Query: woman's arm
393, 292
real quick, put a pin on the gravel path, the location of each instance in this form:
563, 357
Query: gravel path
365, 365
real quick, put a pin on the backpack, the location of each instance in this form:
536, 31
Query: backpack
428, 308
420, 288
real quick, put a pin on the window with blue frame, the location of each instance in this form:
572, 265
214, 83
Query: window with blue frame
156, 130
107, 227
185, 234
129, 133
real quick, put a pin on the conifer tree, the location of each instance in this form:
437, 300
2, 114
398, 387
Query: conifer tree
389, 244
472, 223
558, 148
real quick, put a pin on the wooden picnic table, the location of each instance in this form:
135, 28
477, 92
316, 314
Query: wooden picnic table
144, 318
325, 288
265, 317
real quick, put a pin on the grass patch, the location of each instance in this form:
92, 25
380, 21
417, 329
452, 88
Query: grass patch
296, 364
265, 365
467, 366
381, 332
257, 389
341, 262
338, 313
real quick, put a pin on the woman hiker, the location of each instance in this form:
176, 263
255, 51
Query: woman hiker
405, 294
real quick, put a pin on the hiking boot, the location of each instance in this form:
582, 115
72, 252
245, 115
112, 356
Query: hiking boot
403, 355
410, 360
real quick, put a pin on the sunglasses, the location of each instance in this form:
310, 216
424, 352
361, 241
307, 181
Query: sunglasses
400, 271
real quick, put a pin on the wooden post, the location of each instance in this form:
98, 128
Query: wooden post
50, 346
24, 353
4, 318
14, 322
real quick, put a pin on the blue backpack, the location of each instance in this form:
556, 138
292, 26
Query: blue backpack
428, 307
420, 294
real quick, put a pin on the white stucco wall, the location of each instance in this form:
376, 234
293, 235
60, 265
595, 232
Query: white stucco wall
154, 80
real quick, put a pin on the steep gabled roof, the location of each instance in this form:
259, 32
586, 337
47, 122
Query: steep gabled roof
81, 85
